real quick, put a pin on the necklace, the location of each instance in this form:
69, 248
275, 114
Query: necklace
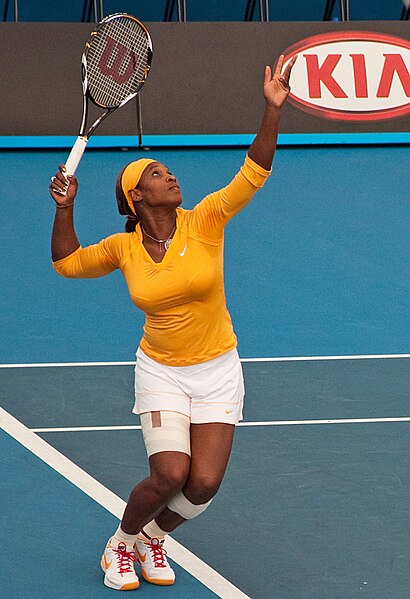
166, 242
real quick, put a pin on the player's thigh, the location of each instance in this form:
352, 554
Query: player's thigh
211, 446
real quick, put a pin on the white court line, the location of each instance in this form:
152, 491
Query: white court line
65, 364
136, 427
333, 421
87, 429
276, 359
114, 504
323, 358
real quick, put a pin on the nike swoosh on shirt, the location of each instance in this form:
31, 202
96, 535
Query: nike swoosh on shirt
183, 252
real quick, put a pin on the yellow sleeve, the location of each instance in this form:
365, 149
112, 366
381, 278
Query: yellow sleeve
216, 209
94, 260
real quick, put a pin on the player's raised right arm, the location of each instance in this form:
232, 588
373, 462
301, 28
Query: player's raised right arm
64, 239
275, 90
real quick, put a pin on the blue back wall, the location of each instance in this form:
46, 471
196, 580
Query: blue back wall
212, 10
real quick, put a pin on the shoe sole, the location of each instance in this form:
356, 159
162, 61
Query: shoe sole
160, 582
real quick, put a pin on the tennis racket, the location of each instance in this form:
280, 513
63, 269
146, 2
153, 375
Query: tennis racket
115, 65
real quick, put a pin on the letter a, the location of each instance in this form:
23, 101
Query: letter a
393, 63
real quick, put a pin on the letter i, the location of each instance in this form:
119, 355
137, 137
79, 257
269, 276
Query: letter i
360, 75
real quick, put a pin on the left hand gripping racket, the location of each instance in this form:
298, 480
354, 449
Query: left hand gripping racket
115, 65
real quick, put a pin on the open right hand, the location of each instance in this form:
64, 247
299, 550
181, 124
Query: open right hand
276, 86
63, 189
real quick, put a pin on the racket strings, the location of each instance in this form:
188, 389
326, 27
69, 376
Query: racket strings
117, 60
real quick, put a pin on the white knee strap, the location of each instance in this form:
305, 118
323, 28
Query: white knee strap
187, 510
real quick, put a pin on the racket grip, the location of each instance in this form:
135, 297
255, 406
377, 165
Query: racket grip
75, 155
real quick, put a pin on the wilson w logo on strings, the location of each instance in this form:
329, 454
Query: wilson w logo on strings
117, 61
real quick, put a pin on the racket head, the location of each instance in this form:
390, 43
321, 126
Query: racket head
116, 60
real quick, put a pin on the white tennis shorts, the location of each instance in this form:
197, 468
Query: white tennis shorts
212, 391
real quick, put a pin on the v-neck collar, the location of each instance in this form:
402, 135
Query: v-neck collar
165, 258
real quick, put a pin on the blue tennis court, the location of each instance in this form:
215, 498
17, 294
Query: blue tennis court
315, 500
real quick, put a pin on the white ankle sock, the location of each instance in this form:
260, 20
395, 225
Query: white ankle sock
151, 530
122, 537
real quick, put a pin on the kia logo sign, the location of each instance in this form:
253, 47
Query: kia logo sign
351, 76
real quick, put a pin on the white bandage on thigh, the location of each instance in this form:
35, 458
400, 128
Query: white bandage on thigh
166, 431
187, 510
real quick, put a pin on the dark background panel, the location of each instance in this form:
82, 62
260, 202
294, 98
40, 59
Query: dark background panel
211, 77
206, 78
41, 82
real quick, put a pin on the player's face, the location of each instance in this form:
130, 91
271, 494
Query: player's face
159, 187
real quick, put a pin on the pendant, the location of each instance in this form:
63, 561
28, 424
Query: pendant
167, 243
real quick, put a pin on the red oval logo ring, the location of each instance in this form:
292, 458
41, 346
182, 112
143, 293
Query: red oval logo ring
351, 76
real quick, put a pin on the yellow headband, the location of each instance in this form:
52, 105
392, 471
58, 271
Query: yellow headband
131, 177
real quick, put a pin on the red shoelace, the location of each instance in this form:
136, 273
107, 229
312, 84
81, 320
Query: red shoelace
158, 553
125, 558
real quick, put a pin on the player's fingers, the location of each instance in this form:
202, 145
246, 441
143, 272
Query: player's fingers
55, 182
279, 64
60, 177
288, 68
63, 171
59, 182
56, 187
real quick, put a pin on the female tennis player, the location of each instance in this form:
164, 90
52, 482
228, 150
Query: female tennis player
188, 377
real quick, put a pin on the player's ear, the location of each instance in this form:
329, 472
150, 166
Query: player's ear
136, 195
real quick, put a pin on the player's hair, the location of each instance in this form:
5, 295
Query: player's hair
123, 207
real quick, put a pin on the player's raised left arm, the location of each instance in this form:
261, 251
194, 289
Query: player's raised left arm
275, 90
63, 191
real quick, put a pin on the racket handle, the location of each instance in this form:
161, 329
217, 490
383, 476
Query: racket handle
75, 155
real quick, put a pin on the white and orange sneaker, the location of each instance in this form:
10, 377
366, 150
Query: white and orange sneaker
153, 560
118, 564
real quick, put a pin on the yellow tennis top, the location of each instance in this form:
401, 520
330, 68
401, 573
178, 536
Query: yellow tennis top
183, 298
